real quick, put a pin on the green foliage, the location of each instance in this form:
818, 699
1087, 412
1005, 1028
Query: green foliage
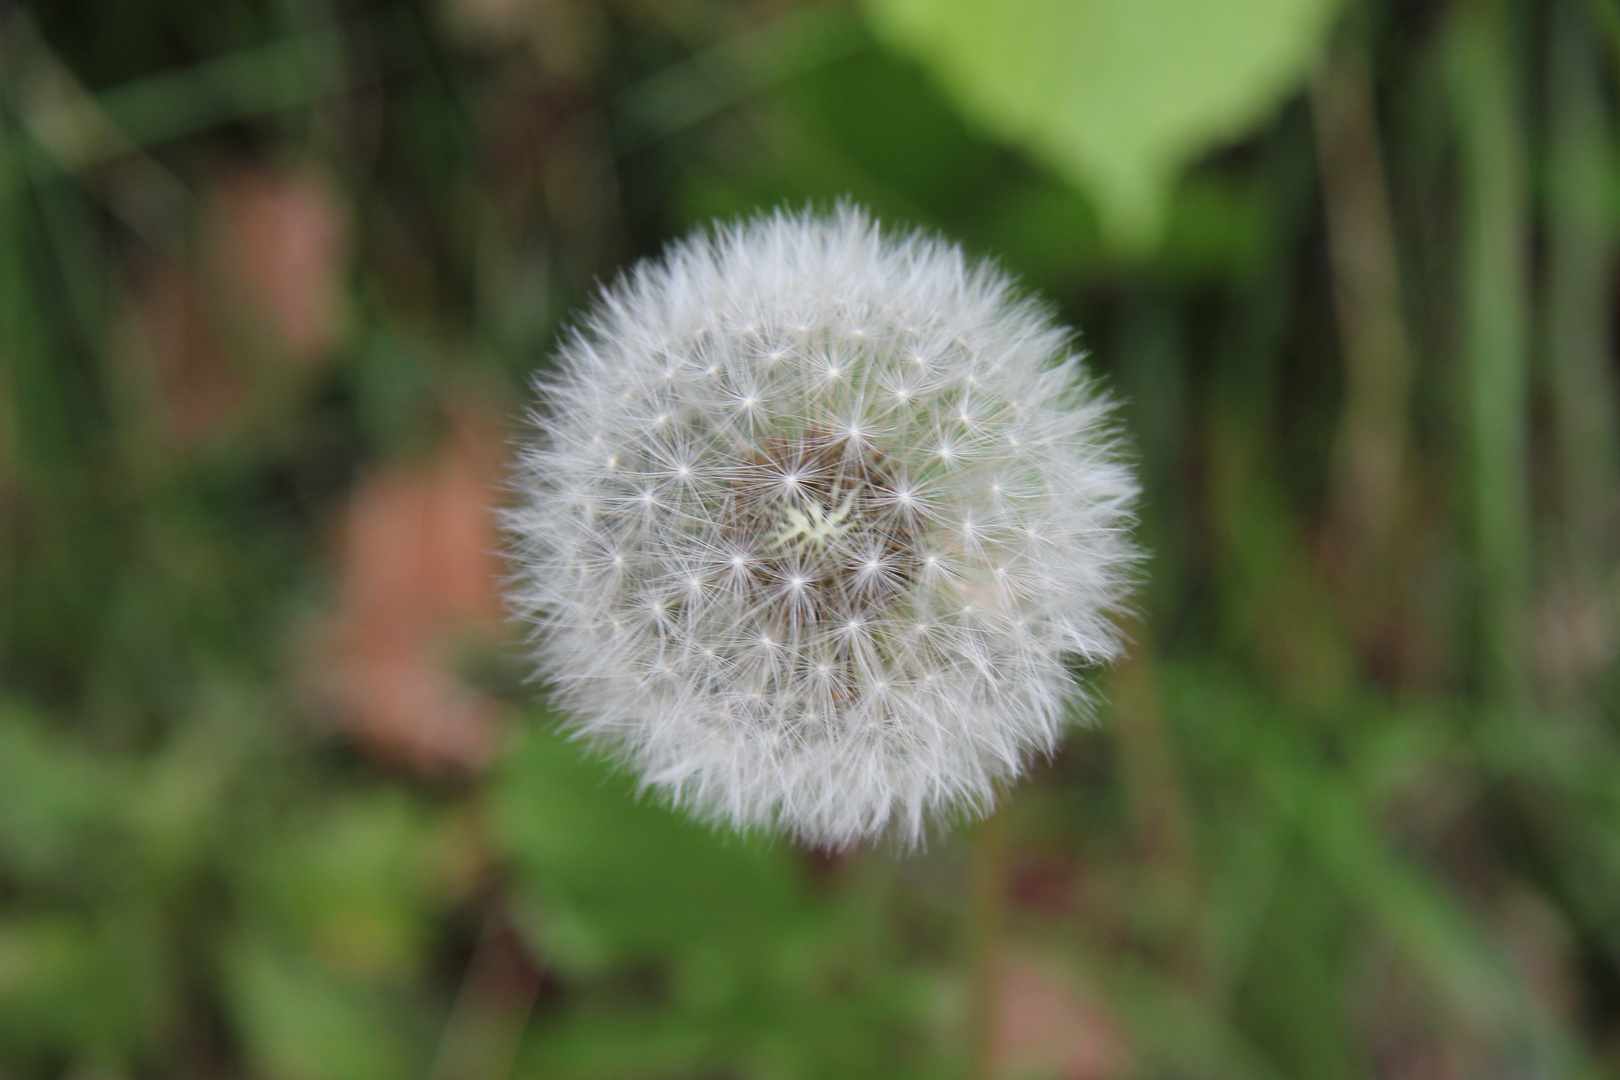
64, 984
299, 1021
756, 967
58, 802
662, 887
1116, 95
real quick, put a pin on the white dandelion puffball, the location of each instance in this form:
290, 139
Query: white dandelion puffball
817, 519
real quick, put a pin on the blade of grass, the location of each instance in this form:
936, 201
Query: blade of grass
1373, 436
1495, 200
70, 132
289, 74
731, 72
1579, 185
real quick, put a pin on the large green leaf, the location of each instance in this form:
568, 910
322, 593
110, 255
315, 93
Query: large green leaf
1117, 95
620, 876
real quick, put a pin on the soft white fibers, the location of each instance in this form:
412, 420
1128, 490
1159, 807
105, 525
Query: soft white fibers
817, 517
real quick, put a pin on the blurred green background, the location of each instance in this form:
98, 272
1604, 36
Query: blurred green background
276, 802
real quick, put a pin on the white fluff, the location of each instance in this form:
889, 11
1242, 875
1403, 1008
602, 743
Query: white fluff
816, 518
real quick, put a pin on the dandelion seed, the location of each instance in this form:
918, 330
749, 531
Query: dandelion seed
831, 535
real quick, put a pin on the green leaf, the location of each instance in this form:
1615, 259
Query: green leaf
618, 876
1116, 95
299, 1022
64, 986
56, 799
354, 881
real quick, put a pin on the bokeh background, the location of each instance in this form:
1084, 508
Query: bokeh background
275, 799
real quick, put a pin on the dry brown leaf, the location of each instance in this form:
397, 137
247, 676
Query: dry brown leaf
420, 575
279, 240
1047, 1024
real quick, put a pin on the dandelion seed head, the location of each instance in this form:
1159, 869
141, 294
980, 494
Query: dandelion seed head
853, 507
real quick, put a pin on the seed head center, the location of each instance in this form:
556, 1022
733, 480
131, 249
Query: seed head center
811, 527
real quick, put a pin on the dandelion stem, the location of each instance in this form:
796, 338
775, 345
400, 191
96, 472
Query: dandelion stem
987, 905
